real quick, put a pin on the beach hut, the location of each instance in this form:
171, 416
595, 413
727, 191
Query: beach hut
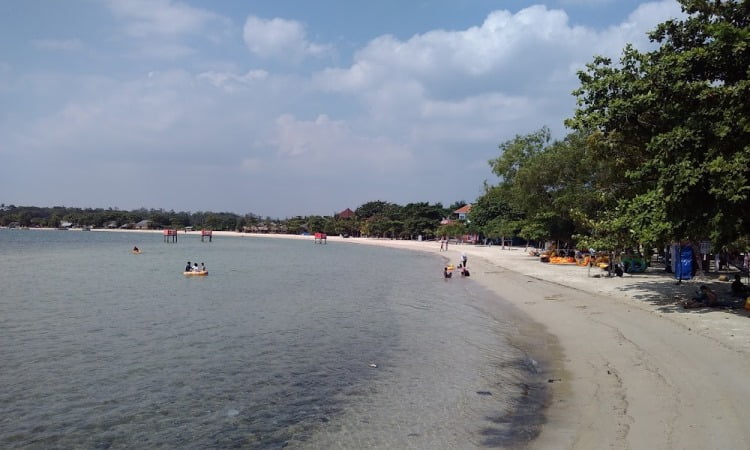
143, 225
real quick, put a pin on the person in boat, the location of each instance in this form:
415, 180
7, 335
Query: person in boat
203, 267
189, 267
196, 268
135, 250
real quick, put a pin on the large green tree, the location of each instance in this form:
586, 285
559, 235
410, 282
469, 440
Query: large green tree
550, 188
675, 122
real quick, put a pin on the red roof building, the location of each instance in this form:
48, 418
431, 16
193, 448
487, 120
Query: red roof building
462, 212
346, 214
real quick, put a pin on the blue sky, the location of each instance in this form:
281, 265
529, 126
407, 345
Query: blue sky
281, 108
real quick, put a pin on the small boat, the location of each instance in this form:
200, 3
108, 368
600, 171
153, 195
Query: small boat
136, 252
196, 274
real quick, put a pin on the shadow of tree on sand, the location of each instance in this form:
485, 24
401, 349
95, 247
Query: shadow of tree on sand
661, 289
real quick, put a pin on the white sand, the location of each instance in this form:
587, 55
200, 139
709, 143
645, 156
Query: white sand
635, 370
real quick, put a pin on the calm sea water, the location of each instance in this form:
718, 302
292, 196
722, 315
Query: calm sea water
101, 348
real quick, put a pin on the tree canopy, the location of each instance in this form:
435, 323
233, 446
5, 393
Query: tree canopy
675, 123
659, 148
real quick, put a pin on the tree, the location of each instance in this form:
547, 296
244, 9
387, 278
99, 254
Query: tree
544, 185
376, 208
676, 122
491, 205
421, 219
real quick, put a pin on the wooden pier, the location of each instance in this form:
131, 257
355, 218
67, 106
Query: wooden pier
206, 234
320, 238
170, 235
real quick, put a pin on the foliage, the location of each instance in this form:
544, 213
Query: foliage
676, 123
549, 190
389, 219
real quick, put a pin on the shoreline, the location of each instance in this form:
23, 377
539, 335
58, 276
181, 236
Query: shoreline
636, 370
631, 367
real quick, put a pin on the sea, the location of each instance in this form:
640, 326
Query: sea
285, 344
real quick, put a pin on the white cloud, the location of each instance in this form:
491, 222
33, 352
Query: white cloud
230, 81
144, 18
57, 44
323, 142
512, 49
280, 38
586, 2
533, 54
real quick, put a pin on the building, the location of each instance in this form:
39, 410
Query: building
346, 214
143, 225
463, 212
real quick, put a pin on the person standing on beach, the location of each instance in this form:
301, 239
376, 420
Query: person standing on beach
463, 259
442, 244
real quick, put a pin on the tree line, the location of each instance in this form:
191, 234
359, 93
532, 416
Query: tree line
376, 218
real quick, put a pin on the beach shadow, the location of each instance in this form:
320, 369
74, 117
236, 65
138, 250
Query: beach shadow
661, 289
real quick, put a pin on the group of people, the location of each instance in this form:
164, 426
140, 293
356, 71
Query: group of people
706, 297
195, 268
461, 267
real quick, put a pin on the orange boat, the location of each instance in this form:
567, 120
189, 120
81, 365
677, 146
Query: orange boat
562, 260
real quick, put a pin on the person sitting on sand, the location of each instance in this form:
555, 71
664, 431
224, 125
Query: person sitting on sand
447, 274
704, 297
464, 271
738, 288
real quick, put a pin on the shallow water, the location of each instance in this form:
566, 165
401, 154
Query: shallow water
285, 344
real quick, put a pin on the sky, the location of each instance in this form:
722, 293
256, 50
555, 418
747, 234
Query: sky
285, 108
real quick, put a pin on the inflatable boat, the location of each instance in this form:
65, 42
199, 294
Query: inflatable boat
196, 274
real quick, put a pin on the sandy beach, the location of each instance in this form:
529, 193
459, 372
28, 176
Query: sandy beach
631, 369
